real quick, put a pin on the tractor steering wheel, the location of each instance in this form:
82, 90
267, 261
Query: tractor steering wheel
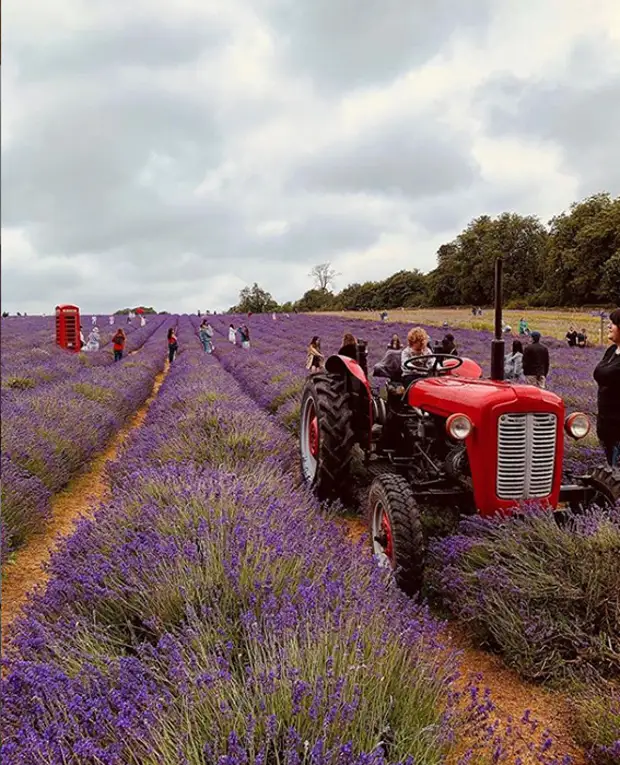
418, 364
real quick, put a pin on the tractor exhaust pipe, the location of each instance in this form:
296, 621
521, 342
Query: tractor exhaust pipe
497, 346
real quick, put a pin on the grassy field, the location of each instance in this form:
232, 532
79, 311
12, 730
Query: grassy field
551, 323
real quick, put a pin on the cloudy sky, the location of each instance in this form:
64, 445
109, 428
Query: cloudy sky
168, 154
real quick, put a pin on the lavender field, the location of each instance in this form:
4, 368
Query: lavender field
213, 612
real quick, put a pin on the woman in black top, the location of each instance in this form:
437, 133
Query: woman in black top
607, 375
349, 346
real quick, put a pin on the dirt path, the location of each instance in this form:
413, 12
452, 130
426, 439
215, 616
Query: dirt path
75, 501
511, 695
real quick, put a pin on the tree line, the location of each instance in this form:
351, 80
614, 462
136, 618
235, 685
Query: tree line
574, 261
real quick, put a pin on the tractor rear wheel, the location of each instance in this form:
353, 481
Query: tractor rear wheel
326, 436
396, 531
605, 481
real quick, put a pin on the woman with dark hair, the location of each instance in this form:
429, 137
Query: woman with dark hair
448, 346
349, 346
395, 344
314, 357
607, 376
173, 345
513, 364
118, 343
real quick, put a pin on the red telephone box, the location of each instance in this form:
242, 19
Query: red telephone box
68, 327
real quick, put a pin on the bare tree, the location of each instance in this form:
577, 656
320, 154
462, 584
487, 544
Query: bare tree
323, 275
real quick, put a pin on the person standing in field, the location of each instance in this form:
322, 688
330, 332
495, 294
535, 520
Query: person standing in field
607, 376
536, 362
513, 364
244, 334
395, 344
206, 335
118, 344
349, 346
314, 357
582, 338
173, 345
571, 336
232, 335
111, 321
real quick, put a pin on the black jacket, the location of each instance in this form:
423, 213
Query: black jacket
607, 375
349, 350
536, 360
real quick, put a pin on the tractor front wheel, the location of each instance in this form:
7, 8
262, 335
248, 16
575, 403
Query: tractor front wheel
326, 437
396, 531
605, 481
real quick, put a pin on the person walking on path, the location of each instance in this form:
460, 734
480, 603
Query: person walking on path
206, 336
314, 357
173, 345
513, 365
232, 335
536, 362
607, 376
118, 344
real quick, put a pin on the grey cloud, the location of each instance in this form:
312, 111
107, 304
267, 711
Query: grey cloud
73, 169
139, 42
579, 112
419, 160
343, 44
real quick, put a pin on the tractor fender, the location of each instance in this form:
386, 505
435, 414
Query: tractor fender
347, 367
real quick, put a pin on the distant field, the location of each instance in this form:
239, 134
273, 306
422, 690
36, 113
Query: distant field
552, 323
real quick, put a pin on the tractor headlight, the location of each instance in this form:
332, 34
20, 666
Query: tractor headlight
577, 425
459, 426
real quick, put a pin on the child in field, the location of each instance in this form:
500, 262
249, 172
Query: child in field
173, 345
118, 344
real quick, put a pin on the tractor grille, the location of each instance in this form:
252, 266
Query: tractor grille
525, 455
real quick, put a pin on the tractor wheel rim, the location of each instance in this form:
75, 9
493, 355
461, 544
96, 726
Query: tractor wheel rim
382, 537
309, 440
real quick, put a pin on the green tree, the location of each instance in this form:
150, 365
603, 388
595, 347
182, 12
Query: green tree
315, 300
581, 244
255, 299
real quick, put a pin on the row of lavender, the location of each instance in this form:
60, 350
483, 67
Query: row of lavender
30, 357
211, 614
50, 433
273, 371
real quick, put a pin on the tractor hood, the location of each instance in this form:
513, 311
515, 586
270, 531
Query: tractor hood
448, 395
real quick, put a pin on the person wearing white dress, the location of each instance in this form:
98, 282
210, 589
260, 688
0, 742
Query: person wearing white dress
142, 321
111, 320
232, 335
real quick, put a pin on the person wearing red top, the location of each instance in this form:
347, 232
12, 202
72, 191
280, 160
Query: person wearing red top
118, 344
173, 345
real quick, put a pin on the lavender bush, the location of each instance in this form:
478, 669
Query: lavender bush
547, 596
50, 433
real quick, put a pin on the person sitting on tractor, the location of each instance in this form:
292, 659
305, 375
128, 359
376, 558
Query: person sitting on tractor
349, 346
417, 345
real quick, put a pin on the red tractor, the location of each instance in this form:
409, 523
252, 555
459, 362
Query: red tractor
441, 435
